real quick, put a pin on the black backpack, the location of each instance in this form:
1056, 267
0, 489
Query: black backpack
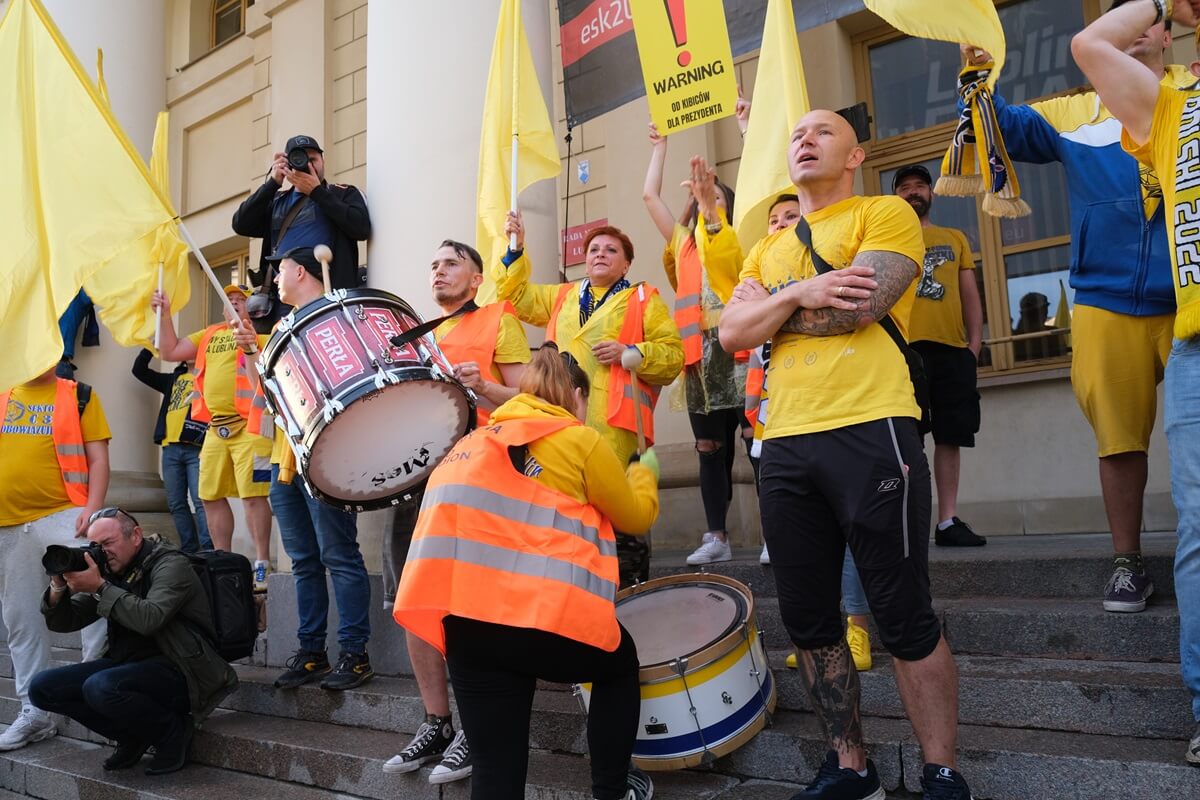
229, 583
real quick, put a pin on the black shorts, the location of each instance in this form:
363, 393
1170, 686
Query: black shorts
866, 486
953, 399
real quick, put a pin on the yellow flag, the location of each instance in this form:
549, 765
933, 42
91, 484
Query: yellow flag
513, 104
961, 21
77, 208
780, 100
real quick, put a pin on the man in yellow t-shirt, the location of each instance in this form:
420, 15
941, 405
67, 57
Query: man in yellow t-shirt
842, 458
234, 462
53, 477
946, 329
489, 351
1162, 130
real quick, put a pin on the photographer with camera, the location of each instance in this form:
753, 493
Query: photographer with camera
309, 213
160, 675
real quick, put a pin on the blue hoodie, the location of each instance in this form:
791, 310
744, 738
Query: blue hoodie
1120, 261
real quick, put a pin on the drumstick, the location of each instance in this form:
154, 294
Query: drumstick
324, 255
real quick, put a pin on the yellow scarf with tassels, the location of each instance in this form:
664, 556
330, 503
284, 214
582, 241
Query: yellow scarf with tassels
977, 161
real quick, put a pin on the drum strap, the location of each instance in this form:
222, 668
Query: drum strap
411, 335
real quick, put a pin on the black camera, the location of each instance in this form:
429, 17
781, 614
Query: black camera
60, 559
298, 159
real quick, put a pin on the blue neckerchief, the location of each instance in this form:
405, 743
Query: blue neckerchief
585, 297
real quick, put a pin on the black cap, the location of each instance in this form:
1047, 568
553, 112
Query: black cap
307, 142
303, 256
907, 172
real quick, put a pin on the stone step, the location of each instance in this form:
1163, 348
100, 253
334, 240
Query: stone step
67, 768
1000, 764
1066, 565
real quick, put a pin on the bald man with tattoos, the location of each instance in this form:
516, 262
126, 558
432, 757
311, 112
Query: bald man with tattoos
842, 456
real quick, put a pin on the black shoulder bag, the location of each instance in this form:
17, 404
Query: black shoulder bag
916, 367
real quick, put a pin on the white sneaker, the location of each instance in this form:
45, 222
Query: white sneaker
31, 725
710, 551
455, 764
765, 558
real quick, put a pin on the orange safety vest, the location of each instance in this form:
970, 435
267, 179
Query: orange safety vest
243, 390
621, 406
496, 546
552, 325
474, 339
689, 315
67, 432
755, 375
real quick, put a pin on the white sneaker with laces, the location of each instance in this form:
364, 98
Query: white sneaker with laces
456, 762
711, 550
765, 558
31, 725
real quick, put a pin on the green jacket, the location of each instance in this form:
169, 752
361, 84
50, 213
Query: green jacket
173, 594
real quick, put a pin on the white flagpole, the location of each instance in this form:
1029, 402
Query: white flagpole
516, 85
212, 277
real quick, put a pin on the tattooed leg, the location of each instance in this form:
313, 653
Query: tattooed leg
833, 689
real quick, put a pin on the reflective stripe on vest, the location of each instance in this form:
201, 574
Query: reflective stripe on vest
243, 389
494, 545
67, 432
621, 406
552, 325
474, 339
688, 313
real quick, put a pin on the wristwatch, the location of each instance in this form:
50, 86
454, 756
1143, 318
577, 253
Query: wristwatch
96, 594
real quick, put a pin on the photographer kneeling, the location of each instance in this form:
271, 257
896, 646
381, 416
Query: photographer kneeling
160, 675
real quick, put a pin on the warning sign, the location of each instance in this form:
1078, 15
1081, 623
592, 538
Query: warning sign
686, 61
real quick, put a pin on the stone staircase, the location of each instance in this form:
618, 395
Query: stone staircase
1058, 701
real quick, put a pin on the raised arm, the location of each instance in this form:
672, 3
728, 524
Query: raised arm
652, 189
533, 302
170, 346
1125, 86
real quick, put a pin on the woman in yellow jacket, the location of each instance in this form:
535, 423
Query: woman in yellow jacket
591, 320
512, 575
702, 260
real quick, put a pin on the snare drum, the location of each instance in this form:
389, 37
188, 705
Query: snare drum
706, 685
368, 421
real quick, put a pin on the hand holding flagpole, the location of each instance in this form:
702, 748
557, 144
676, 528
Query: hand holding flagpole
212, 277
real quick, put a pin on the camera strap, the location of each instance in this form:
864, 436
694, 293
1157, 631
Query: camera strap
288, 218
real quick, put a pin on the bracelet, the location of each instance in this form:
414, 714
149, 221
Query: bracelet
713, 228
58, 590
1162, 10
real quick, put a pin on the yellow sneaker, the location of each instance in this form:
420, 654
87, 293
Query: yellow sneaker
860, 646
791, 661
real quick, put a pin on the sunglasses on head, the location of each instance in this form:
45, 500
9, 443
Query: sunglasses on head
112, 511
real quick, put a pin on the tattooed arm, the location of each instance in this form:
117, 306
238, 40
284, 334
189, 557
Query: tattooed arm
893, 274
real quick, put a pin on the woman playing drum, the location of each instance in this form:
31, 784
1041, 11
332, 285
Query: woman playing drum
512, 575
596, 320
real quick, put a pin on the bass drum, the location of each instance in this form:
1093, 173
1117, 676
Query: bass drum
368, 421
706, 686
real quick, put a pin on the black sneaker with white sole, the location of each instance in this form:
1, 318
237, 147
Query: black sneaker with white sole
1127, 591
943, 783
835, 782
640, 787
428, 744
456, 762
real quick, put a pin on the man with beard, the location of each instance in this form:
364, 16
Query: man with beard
489, 351
946, 328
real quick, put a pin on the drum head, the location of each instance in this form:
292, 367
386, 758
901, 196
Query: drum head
680, 619
387, 441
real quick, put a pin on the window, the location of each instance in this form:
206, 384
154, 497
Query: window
228, 269
228, 19
1021, 264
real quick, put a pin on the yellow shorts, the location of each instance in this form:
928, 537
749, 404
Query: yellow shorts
237, 466
1117, 365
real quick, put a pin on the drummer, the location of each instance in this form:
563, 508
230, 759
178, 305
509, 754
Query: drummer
316, 536
488, 349
502, 628
596, 320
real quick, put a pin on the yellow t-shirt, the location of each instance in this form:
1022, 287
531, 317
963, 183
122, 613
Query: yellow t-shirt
512, 347
820, 383
1173, 152
31, 485
937, 312
220, 371
178, 406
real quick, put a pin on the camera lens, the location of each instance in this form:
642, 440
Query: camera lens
298, 159
58, 559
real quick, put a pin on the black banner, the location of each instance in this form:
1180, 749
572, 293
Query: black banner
601, 70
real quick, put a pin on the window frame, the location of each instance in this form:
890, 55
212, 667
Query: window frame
219, 6
927, 143
238, 262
